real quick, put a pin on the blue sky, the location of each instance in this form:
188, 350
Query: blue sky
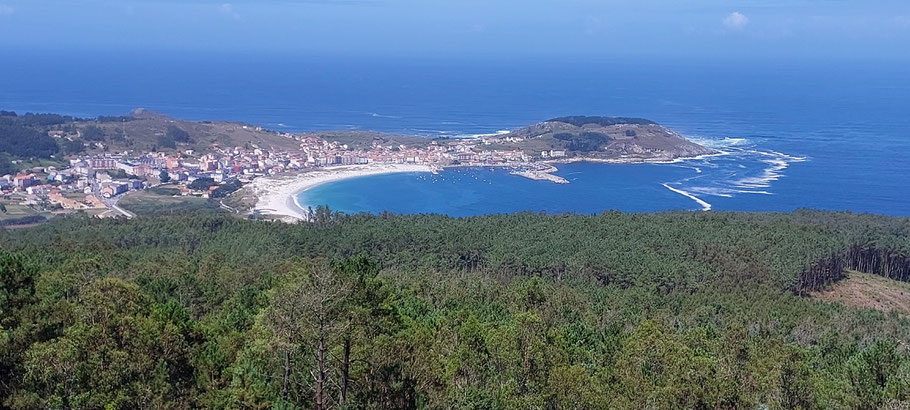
711, 29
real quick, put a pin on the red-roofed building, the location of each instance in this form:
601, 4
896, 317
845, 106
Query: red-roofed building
25, 181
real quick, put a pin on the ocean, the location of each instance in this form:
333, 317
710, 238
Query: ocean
823, 135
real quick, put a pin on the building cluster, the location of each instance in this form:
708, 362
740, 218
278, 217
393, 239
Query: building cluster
78, 187
317, 152
553, 153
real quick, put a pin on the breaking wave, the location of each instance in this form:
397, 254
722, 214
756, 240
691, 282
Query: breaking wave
740, 167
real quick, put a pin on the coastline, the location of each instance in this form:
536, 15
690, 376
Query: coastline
277, 195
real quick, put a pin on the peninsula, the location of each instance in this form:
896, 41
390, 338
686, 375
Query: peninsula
612, 139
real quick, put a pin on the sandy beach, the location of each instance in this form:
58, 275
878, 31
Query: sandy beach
277, 195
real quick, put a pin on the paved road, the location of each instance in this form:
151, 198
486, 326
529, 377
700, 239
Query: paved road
124, 212
111, 203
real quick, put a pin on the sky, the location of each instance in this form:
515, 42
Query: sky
627, 29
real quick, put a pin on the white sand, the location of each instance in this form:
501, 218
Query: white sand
278, 195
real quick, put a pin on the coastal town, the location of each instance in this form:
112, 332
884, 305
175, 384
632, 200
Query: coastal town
96, 182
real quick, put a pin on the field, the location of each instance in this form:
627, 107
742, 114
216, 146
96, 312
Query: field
162, 199
14, 214
41, 162
15, 210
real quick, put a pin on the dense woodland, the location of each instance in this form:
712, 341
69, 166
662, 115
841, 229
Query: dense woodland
25, 137
667, 310
22, 140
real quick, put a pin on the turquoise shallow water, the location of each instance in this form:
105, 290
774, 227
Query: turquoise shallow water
817, 135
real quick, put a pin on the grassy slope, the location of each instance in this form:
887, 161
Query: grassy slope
142, 134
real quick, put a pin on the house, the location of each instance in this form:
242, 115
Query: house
178, 175
152, 162
467, 156
131, 168
22, 181
557, 153
113, 188
102, 163
82, 167
142, 170
172, 162
209, 165
103, 176
39, 190
62, 176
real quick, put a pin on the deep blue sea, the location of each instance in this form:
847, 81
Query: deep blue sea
825, 135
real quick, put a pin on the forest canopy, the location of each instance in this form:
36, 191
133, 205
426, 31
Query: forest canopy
24, 141
668, 310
